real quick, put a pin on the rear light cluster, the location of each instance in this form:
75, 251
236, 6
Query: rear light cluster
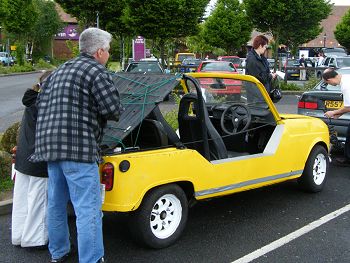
107, 176
308, 102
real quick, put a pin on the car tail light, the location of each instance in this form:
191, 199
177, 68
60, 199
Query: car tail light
308, 103
107, 176
13, 151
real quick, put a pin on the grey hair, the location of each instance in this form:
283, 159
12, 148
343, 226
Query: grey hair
92, 39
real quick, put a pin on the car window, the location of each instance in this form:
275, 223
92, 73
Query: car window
343, 62
144, 67
218, 91
216, 66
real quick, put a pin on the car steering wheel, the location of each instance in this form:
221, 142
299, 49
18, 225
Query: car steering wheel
240, 115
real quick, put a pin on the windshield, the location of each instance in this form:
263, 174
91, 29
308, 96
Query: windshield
343, 62
233, 60
216, 91
144, 67
218, 66
183, 56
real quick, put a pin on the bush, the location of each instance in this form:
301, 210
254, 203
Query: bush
9, 138
42, 64
289, 86
5, 167
16, 68
311, 83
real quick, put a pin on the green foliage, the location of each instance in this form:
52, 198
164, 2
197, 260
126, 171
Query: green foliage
172, 116
290, 22
289, 86
9, 138
342, 31
5, 170
42, 64
228, 27
47, 24
311, 83
26, 67
73, 47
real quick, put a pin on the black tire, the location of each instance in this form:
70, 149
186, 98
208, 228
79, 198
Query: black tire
315, 171
141, 220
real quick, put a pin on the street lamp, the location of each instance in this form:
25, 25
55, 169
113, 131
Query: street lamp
0, 38
324, 39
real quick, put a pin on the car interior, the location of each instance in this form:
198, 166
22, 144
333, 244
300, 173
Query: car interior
227, 129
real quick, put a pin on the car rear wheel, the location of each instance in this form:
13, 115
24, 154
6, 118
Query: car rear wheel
161, 218
315, 171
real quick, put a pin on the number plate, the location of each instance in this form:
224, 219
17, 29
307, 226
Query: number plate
333, 104
103, 193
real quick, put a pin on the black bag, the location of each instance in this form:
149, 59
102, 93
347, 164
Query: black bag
275, 92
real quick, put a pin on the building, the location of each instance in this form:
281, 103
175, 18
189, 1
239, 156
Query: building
69, 32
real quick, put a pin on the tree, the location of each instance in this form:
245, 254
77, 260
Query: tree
163, 20
342, 31
20, 16
290, 22
228, 26
46, 26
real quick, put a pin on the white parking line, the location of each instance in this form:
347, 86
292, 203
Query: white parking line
288, 238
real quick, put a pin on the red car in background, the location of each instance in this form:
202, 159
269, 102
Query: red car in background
234, 59
228, 87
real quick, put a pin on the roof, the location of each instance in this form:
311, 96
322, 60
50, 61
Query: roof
67, 18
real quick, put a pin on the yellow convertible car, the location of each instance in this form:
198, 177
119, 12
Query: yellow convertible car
223, 145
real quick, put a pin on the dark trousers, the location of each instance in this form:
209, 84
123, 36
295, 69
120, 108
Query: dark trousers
347, 144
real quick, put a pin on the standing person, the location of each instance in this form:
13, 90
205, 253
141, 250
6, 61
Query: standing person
74, 105
257, 64
330, 76
29, 209
320, 59
302, 65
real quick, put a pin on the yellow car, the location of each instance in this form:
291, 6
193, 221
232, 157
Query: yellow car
221, 147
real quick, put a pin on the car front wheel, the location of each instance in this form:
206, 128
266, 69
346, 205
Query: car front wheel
161, 218
315, 171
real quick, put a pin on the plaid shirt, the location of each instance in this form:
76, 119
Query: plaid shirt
74, 104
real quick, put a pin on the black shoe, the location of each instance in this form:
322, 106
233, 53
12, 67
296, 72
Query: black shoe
61, 259
101, 260
341, 161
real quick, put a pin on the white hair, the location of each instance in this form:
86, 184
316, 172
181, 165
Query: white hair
92, 39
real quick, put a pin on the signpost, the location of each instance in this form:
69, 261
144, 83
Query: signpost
138, 48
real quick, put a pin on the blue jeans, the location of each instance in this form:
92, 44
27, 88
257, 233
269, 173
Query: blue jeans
78, 182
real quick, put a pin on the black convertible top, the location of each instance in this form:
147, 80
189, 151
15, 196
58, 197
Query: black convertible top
140, 94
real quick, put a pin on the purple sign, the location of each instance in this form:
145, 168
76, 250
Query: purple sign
69, 32
138, 48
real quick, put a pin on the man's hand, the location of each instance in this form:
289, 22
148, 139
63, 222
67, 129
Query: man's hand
332, 114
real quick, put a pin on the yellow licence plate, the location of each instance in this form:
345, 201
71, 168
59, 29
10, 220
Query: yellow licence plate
333, 104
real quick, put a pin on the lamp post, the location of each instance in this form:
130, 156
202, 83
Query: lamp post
324, 39
0, 38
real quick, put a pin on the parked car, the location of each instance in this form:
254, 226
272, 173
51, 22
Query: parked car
291, 68
179, 57
271, 63
6, 59
231, 88
324, 97
190, 64
333, 62
234, 59
145, 67
337, 51
223, 147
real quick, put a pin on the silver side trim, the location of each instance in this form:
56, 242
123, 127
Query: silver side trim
247, 183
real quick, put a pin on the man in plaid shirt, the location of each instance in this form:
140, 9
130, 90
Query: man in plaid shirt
74, 104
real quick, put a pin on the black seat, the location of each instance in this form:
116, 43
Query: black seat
196, 130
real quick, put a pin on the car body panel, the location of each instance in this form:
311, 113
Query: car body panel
282, 158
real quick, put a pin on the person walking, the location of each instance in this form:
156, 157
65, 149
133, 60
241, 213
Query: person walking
74, 105
257, 64
330, 76
29, 207
302, 65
